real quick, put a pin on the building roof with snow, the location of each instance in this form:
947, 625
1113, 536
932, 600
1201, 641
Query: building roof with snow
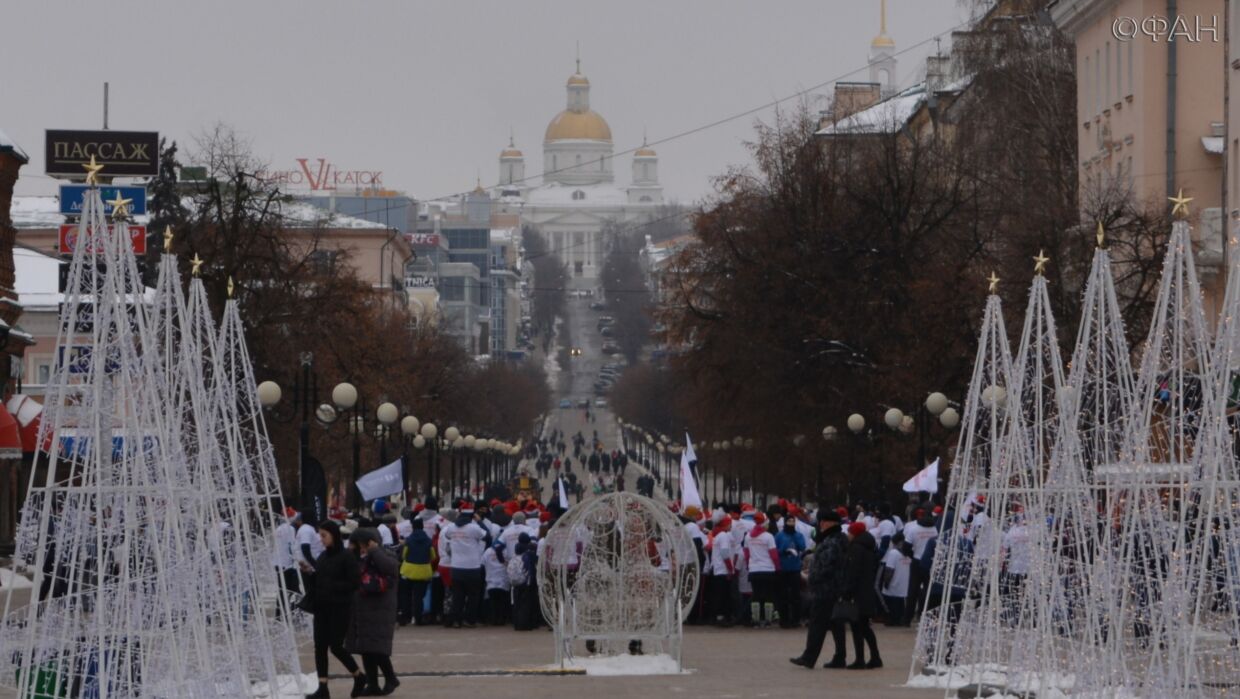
9, 146
37, 279
43, 211
886, 117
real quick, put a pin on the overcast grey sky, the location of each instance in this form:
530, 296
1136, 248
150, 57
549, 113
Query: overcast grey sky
427, 91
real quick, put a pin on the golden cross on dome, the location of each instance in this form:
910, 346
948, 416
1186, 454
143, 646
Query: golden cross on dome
120, 205
167, 238
1181, 203
196, 264
92, 170
1040, 261
994, 282
1101, 235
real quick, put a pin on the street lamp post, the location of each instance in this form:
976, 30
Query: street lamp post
428, 432
829, 435
408, 431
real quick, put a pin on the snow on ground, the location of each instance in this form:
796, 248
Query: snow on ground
620, 665
1049, 685
16, 581
288, 687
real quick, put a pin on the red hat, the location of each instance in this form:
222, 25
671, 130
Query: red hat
747, 508
919, 513
511, 508
856, 529
418, 508
759, 519
725, 524
842, 512
495, 502
938, 509
793, 511
290, 512
981, 499
544, 517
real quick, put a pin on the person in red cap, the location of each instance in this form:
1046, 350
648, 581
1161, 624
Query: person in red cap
860, 570
762, 557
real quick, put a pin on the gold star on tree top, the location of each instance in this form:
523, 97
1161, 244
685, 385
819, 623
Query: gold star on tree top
994, 282
230, 287
196, 265
120, 206
92, 170
1180, 203
167, 238
1101, 235
1039, 263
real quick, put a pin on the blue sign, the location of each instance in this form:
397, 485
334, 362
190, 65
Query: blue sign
71, 196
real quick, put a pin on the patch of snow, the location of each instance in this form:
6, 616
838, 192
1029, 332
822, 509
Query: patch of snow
1212, 144
624, 665
6, 142
10, 580
888, 116
287, 687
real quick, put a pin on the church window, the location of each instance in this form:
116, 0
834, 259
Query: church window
579, 195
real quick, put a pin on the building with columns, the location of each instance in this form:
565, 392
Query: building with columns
576, 195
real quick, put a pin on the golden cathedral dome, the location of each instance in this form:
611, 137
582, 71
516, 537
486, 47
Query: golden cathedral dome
570, 125
645, 152
510, 153
883, 41
578, 79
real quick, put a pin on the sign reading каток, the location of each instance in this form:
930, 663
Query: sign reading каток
122, 153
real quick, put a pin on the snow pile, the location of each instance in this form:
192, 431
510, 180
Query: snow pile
622, 665
287, 687
13, 581
994, 678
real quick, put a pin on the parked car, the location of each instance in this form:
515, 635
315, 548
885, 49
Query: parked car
606, 331
566, 403
583, 403
600, 402
600, 390
598, 306
611, 348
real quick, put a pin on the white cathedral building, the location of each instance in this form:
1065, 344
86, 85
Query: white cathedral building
578, 194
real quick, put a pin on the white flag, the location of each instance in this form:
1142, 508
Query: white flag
926, 480
689, 495
382, 482
563, 495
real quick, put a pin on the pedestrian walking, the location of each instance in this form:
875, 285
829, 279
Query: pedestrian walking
284, 559
374, 616
826, 581
337, 576
860, 570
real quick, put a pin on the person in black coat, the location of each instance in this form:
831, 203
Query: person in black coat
861, 564
337, 577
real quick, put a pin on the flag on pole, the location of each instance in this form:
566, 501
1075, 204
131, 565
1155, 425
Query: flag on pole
563, 495
926, 480
689, 495
382, 482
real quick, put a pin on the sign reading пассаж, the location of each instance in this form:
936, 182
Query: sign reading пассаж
122, 153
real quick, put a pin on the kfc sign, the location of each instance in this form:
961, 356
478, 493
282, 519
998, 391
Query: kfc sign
321, 176
424, 239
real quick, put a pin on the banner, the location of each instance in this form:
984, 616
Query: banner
382, 482
313, 491
926, 480
689, 495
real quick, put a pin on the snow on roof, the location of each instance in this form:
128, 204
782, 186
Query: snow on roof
44, 212
1212, 144
558, 194
7, 143
886, 117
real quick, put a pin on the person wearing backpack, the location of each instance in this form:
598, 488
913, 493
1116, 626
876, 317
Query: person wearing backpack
521, 576
374, 613
417, 554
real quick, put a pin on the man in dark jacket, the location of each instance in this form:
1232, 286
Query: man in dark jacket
826, 581
860, 570
411, 591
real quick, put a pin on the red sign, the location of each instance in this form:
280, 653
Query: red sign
322, 176
69, 238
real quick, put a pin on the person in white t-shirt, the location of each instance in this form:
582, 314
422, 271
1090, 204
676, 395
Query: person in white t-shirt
897, 569
762, 559
309, 545
1016, 555
722, 581
495, 563
918, 534
283, 557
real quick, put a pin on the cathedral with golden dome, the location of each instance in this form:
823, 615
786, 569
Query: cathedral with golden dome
575, 197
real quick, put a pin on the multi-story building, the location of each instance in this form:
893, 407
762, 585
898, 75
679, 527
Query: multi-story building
463, 309
14, 471
505, 291
382, 206
1150, 116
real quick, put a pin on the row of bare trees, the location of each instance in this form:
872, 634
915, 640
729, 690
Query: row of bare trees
845, 275
299, 293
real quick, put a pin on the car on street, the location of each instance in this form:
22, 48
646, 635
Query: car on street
583, 403
606, 331
566, 403
598, 306
600, 402
611, 348
605, 320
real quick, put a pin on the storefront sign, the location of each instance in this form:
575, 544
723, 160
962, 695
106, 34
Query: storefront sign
69, 238
419, 282
122, 153
424, 239
321, 175
71, 196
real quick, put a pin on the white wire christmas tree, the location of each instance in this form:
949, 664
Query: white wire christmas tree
955, 575
144, 538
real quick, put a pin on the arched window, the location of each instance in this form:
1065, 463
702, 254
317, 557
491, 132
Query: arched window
578, 195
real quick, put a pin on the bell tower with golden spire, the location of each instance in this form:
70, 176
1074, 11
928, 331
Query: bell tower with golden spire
882, 56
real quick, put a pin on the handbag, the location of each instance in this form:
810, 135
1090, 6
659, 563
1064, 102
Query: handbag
845, 610
305, 604
373, 581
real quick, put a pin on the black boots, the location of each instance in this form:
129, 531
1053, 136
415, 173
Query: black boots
320, 693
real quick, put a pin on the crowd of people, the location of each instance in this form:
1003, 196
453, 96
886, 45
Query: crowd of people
830, 570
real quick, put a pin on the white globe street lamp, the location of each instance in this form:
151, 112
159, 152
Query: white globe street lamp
387, 413
452, 434
269, 393
893, 418
344, 395
950, 418
936, 403
326, 414
419, 442
429, 431
856, 423
829, 433
409, 425
469, 441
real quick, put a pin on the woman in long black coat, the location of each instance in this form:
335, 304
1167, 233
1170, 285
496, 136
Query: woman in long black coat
861, 564
336, 579
374, 615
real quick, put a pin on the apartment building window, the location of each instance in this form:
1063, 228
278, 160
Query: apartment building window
1107, 100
